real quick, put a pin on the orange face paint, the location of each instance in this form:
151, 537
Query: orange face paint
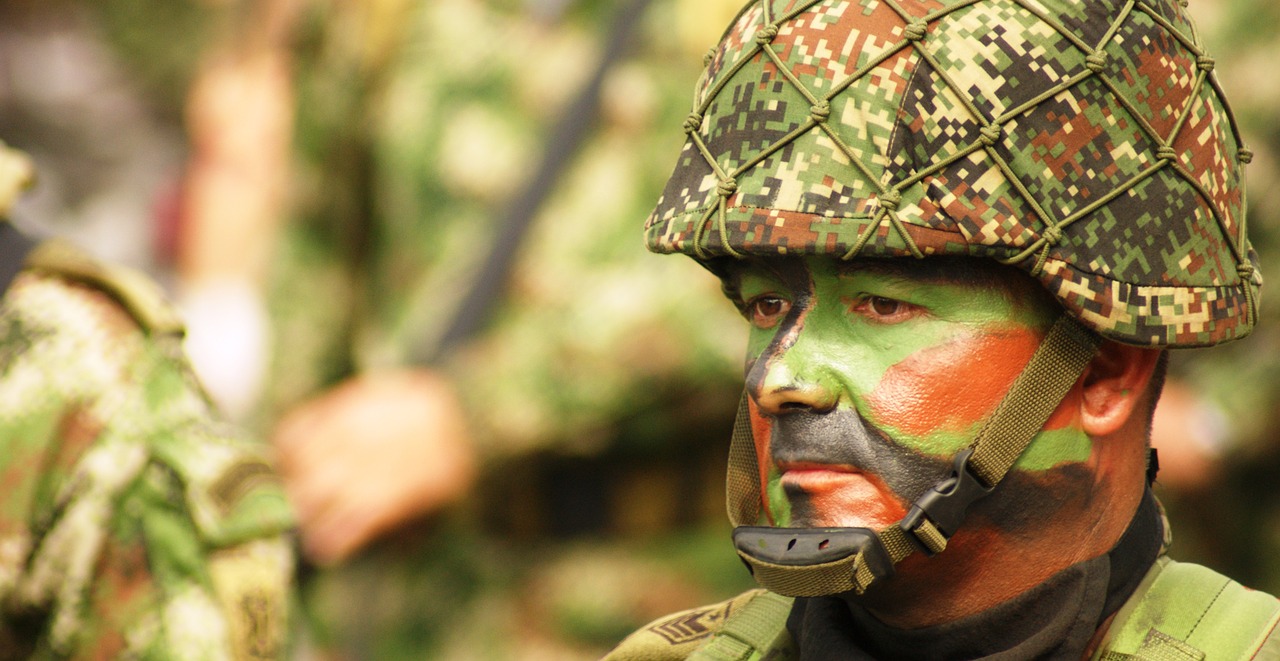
952, 386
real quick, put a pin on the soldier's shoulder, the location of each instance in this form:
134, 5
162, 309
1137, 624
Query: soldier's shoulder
72, 324
678, 635
92, 283
1195, 610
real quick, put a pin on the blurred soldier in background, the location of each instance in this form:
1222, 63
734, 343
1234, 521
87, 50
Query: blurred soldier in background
134, 523
553, 482
439, 149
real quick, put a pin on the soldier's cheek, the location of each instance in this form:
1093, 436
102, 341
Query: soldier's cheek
937, 396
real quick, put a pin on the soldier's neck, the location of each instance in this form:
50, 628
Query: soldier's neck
1054, 620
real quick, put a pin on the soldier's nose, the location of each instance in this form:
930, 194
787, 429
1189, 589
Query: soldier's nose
778, 390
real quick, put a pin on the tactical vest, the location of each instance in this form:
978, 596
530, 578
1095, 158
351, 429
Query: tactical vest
1180, 612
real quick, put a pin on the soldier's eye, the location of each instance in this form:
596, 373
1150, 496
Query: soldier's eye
885, 307
766, 311
885, 310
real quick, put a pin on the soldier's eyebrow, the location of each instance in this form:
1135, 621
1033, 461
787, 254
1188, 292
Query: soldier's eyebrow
732, 271
966, 271
895, 269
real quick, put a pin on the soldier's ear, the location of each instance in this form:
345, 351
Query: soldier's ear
1115, 384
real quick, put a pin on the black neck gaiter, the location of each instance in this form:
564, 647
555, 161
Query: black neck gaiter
1054, 620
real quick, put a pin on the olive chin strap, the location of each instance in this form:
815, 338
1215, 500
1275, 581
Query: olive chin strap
819, 566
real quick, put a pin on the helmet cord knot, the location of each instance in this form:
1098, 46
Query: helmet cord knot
890, 199
1096, 61
693, 122
820, 111
1052, 235
765, 36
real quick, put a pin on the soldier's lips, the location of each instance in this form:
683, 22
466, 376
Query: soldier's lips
826, 495
818, 478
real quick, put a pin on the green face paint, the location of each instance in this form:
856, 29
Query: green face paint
872, 375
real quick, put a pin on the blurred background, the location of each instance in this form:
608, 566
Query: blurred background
406, 236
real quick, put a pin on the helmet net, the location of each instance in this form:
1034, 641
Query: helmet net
1087, 143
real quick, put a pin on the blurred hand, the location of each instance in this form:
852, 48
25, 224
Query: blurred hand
372, 453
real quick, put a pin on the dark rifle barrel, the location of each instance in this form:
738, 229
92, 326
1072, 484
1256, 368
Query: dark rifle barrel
566, 137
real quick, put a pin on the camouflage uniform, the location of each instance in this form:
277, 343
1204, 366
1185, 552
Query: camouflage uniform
134, 524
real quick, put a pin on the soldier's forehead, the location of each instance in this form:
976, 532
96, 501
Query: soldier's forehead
930, 269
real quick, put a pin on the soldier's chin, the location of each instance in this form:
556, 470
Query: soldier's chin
858, 514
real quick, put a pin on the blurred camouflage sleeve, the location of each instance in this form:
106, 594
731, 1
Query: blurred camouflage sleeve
132, 523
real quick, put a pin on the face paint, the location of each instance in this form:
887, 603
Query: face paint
869, 377
870, 467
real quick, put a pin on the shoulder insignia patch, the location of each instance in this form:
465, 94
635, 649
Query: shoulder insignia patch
238, 481
693, 625
676, 636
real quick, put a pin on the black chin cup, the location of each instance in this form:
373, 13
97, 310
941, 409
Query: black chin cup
942, 508
807, 547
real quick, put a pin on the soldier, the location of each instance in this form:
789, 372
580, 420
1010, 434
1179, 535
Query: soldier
133, 524
418, 127
964, 235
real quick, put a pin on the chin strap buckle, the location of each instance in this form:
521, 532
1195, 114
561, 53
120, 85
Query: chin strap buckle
937, 515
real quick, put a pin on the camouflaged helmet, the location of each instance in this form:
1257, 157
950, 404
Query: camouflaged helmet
1088, 143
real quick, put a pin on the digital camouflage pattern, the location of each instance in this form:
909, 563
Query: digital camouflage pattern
1087, 143
758, 635
416, 122
869, 130
133, 523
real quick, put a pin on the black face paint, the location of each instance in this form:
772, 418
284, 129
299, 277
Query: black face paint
842, 437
